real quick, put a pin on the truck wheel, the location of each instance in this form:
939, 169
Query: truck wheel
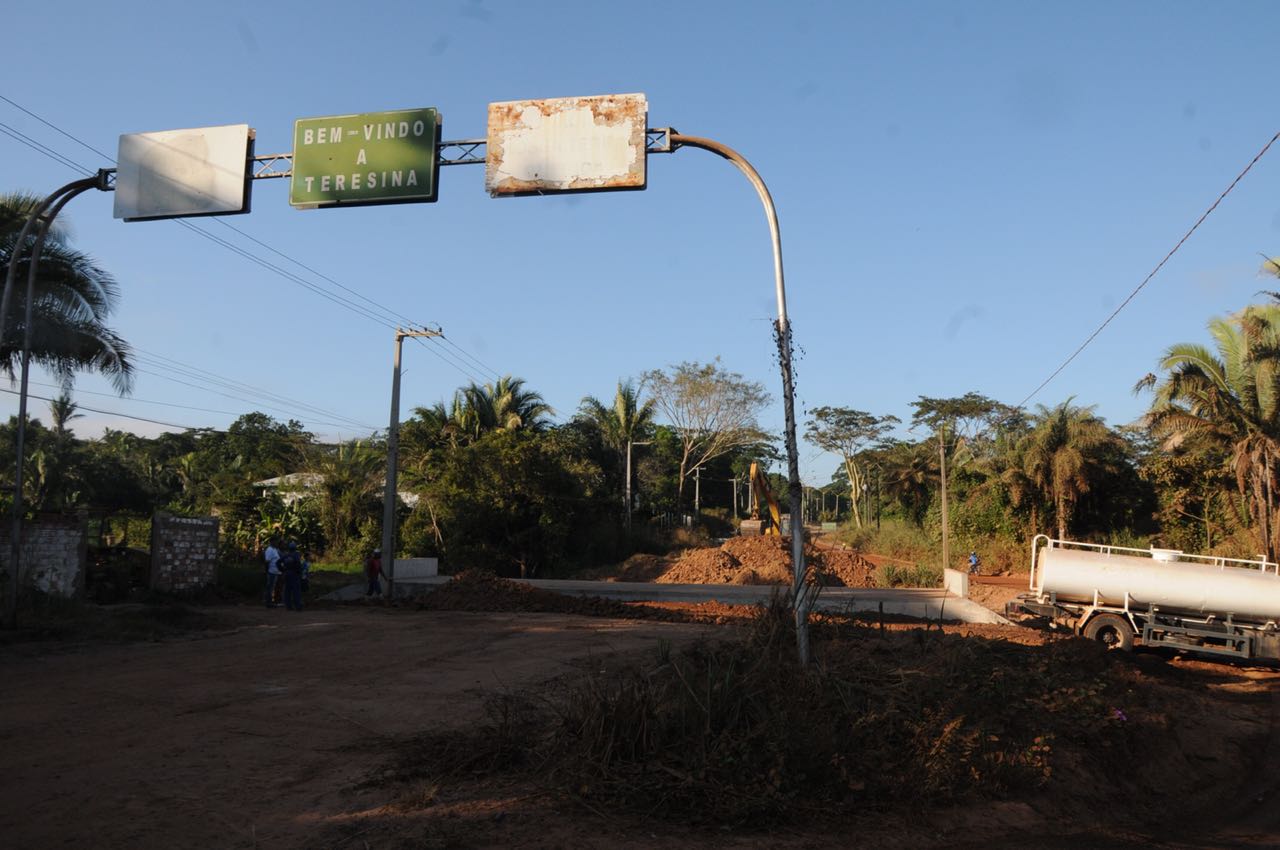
1112, 629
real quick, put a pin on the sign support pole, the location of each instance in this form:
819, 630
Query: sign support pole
393, 463
44, 214
802, 595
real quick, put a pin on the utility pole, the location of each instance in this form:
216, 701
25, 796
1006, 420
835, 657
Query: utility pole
735, 496
877, 498
393, 461
946, 525
697, 491
627, 488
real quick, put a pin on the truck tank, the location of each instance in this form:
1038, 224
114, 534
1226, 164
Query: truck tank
1193, 584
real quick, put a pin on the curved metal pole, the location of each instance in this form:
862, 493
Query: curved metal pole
801, 594
11, 275
57, 201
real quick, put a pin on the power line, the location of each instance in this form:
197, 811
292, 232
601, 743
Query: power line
204, 375
473, 359
116, 413
281, 410
447, 357
389, 312
78, 391
85, 145
386, 311
345, 303
1148, 278
39, 148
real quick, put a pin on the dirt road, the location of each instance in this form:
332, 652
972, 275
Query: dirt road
264, 734
253, 737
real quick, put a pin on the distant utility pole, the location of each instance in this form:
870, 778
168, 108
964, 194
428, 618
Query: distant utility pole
627, 488
393, 461
946, 523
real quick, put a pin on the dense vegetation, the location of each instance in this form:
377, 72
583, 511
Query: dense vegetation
489, 479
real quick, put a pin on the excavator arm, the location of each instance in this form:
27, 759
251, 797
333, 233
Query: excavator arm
761, 493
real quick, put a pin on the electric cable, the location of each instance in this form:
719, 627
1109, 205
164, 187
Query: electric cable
122, 415
79, 391
1148, 278
205, 376
341, 301
281, 410
39, 148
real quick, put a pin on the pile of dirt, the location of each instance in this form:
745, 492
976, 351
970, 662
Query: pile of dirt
642, 567
702, 566
767, 560
852, 569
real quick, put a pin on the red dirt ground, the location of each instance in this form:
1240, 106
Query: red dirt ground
262, 734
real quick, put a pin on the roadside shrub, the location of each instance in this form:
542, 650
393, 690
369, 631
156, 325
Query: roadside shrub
738, 733
919, 575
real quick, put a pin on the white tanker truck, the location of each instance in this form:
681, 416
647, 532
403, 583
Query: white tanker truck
1158, 597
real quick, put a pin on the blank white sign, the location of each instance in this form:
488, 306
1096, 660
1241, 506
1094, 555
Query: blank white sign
172, 173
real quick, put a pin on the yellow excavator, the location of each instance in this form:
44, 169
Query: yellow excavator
772, 523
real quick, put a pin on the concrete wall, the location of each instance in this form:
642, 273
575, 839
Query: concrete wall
184, 553
407, 568
956, 582
54, 554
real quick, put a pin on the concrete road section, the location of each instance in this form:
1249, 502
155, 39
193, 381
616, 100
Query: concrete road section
932, 604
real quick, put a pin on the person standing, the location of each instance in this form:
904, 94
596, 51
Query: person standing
272, 557
373, 569
291, 566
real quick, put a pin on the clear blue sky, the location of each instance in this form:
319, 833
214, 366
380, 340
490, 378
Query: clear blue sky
966, 190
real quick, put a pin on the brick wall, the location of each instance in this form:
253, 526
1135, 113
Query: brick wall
54, 554
184, 553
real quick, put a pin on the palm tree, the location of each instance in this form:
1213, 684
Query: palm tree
625, 421
506, 405
73, 298
62, 410
1232, 398
1062, 456
622, 424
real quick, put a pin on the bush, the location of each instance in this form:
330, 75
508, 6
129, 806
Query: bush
919, 575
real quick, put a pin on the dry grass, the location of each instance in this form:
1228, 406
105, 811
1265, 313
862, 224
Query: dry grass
735, 732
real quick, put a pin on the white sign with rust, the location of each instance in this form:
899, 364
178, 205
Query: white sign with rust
572, 144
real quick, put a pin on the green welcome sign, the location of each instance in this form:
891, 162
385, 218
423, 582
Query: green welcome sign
370, 158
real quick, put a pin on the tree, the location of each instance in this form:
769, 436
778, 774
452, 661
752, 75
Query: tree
516, 501
625, 422
55, 464
712, 409
351, 476
479, 409
73, 299
962, 417
1064, 456
504, 405
61, 411
1230, 397
847, 432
